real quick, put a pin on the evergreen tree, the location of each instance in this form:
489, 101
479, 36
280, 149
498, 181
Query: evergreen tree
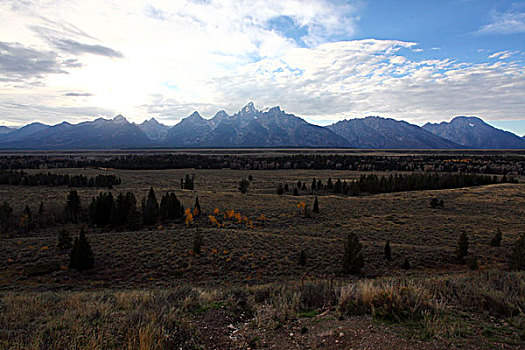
496, 240
280, 189
198, 239
101, 209
81, 256
388, 251
462, 248
196, 207
134, 216
188, 182
170, 207
352, 258
406, 264
314, 184
5, 215
295, 191
434, 203
64, 240
517, 255
302, 258
243, 186
303, 187
329, 185
73, 206
41, 208
286, 187
120, 211
316, 206
150, 208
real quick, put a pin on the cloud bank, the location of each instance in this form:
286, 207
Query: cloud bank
77, 60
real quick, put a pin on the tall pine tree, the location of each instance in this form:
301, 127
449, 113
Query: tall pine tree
81, 256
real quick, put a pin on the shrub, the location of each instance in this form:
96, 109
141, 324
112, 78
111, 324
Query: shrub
280, 189
197, 207
64, 240
81, 256
352, 258
388, 251
302, 258
406, 264
316, 205
462, 248
496, 240
243, 186
198, 239
517, 255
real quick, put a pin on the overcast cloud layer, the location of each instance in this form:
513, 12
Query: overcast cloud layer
76, 60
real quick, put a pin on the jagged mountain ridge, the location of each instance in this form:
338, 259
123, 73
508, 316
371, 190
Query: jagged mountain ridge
377, 132
473, 132
254, 128
251, 128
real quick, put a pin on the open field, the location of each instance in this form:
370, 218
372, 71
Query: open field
142, 269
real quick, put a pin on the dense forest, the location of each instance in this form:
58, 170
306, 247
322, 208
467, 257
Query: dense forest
22, 178
499, 164
373, 184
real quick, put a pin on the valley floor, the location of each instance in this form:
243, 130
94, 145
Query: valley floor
246, 289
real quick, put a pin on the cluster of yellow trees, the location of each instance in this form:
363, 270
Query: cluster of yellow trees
230, 214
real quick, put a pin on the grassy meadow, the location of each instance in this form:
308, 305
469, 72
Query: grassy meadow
246, 289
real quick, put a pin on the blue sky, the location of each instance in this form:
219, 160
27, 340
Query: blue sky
322, 60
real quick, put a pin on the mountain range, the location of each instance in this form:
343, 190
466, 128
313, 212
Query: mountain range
251, 127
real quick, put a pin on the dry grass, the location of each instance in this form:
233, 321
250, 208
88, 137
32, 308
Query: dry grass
161, 319
148, 291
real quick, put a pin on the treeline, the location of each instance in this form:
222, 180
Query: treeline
121, 212
489, 163
10, 177
373, 184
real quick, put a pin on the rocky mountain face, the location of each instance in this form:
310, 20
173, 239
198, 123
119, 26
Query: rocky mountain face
251, 128
377, 132
154, 130
473, 132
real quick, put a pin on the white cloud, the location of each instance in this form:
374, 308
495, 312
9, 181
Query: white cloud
167, 58
502, 55
505, 23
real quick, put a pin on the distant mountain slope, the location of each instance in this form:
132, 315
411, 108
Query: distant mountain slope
5, 129
377, 132
100, 133
154, 130
474, 132
23, 132
251, 128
